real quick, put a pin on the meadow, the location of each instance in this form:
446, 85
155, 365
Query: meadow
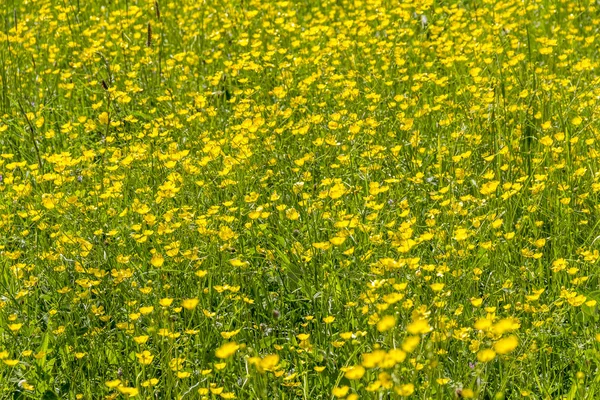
336, 199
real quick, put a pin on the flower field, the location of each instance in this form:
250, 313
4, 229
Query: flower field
336, 199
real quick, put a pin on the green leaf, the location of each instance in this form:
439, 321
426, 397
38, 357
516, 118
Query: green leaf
49, 395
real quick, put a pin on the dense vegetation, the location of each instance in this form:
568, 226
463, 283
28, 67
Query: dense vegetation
299, 199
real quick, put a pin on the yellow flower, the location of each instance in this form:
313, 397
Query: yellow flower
190, 304
340, 392
461, 234
216, 390
506, 325
483, 324
303, 336
386, 323
103, 118
238, 263
150, 382
410, 343
506, 345
437, 287
230, 334
489, 188
140, 339
146, 310
486, 355
225, 233
269, 362
420, 326
476, 302
220, 366
355, 372
128, 391
113, 384
201, 273
227, 350
338, 240
329, 320
292, 214
546, 141
145, 357
405, 390
373, 359
337, 191
166, 302
157, 260
48, 201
